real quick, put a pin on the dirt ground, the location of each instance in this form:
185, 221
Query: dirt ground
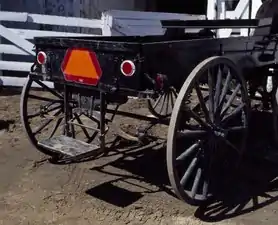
130, 188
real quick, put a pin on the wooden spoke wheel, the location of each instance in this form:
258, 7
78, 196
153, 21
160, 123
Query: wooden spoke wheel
44, 116
208, 130
162, 106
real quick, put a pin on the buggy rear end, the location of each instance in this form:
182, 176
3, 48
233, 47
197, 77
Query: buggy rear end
89, 63
111, 56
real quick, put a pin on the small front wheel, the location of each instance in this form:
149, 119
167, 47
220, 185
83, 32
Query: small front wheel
162, 106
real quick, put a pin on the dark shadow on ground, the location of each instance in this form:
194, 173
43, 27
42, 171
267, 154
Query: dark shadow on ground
115, 195
10, 91
255, 187
146, 164
5, 124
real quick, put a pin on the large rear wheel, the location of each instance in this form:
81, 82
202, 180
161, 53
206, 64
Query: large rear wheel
208, 129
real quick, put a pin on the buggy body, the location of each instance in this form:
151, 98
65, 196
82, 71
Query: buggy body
215, 80
173, 56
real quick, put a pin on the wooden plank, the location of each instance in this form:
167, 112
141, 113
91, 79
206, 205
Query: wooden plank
11, 49
127, 27
120, 14
64, 21
142, 31
15, 66
20, 81
122, 28
30, 34
132, 27
142, 22
20, 42
13, 16
50, 20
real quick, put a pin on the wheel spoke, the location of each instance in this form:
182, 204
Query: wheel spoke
58, 123
92, 137
89, 137
211, 98
189, 151
198, 119
45, 124
233, 114
43, 98
164, 100
168, 102
191, 133
49, 89
196, 183
236, 129
189, 171
175, 93
172, 100
225, 89
95, 117
218, 88
230, 101
205, 188
157, 101
202, 103
172, 97
45, 112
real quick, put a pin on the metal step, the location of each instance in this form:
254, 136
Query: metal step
69, 146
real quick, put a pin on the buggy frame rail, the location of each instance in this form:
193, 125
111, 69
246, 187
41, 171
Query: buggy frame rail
211, 24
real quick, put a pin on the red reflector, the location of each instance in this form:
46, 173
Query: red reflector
127, 68
81, 66
41, 58
159, 81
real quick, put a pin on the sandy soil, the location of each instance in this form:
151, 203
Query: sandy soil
130, 187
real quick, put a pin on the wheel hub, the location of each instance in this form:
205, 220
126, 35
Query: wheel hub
219, 132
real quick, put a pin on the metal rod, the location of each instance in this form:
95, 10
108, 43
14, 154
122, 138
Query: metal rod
140, 117
212, 24
66, 110
250, 15
81, 125
102, 121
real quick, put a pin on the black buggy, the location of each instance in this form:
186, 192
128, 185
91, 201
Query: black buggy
205, 84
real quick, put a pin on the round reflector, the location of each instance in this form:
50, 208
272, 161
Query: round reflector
41, 58
127, 68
